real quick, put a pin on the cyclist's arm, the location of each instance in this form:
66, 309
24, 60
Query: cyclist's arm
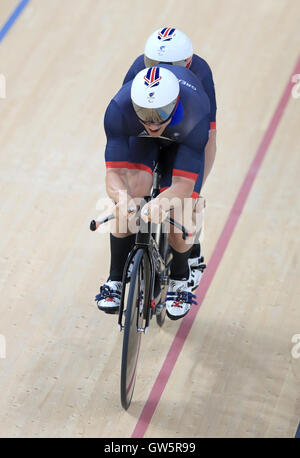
117, 186
210, 153
189, 163
172, 197
116, 153
124, 172
204, 73
209, 87
211, 146
180, 189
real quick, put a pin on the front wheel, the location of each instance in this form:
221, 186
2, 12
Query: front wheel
134, 319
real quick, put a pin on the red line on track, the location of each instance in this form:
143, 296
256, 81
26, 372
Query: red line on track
217, 255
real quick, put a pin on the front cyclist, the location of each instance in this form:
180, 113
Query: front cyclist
169, 45
164, 109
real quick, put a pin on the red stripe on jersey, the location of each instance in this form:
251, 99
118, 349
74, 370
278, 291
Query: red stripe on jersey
213, 126
140, 167
194, 194
128, 165
163, 189
183, 173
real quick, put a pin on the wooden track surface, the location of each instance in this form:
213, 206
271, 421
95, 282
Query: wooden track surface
235, 376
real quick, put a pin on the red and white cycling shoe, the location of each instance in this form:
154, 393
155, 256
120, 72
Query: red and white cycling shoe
109, 298
179, 299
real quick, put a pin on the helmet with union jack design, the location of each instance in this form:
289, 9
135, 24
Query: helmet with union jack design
155, 95
169, 46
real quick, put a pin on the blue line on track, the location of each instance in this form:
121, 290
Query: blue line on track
12, 19
298, 432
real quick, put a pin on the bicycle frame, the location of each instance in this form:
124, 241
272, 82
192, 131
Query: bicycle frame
158, 265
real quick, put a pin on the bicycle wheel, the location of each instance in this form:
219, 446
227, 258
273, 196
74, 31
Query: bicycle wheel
161, 315
134, 316
161, 312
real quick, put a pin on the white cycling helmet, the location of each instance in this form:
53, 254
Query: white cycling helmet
169, 46
154, 95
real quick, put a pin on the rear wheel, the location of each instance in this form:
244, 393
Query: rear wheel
161, 315
134, 321
164, 250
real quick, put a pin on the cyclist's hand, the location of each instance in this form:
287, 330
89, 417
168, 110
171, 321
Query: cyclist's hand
153, 212
125, 208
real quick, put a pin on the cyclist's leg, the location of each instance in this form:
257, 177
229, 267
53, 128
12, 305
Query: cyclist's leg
180, 297
138, 168
180, 249
198, 215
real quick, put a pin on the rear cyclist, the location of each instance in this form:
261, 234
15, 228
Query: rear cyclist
163, 110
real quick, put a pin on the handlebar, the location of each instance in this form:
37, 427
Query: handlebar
94, 224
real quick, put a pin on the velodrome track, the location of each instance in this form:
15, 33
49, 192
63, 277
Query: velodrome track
230, 368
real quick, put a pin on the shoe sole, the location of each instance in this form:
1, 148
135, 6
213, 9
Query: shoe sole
110, 311
175, 317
